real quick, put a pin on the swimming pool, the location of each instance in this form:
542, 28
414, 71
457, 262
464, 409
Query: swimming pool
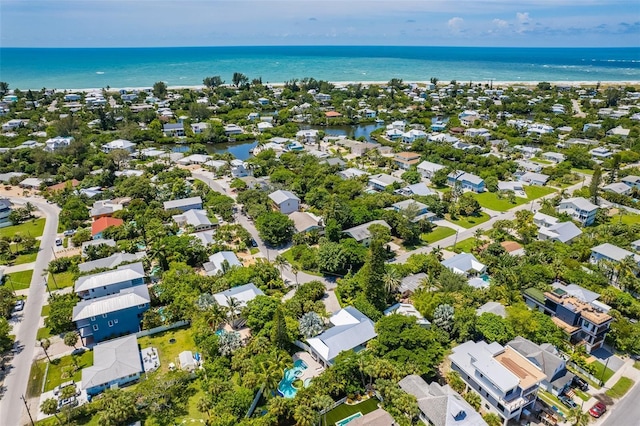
346, 420
285, 387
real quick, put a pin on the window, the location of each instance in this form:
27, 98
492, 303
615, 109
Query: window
110, 323
142, 306
93, 318
500, 407
95, 327
104, 315
115, 321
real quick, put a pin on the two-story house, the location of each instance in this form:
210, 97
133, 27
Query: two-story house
467, 181
5, 211
99, 226
285, 201
415, 209
119, 144
111, 316
427, 169
109, 282
506, 381
196, 219
575, 310
580, 209
405, 160
381, 181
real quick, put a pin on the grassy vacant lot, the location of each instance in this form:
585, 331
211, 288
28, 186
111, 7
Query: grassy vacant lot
628, 219
61, 280
599, 368
169, 351
437, 234
621, 387
469, 221
33, 228
490, 200
464, 245
21, 258
342, 411
20, 280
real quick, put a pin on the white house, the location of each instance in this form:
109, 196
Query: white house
427, 169
242, 294
286, 201
119, 144
362, 234
56, 143
221, 262
195, 218
580, 209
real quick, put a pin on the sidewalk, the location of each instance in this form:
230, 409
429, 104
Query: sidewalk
19, 268
627, 370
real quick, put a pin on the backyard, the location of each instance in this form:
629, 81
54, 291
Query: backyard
168, 351
469, 221
20, 280
437, 234
60, 370
342, 411
491, 201
33, 228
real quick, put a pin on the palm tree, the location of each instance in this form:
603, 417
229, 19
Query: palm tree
305, 415
50, 407
295, 271
71, 338
392, 280
281, 263
578, 418
45, 344
233, 305
205, 405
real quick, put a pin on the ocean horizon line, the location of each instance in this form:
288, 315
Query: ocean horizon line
323, 45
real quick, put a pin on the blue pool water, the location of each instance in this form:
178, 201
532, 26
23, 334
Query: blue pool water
285, 387
485, 277
347, 420
219, 332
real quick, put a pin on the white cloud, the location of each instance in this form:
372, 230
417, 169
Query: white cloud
455, 24
523, 17
500, 23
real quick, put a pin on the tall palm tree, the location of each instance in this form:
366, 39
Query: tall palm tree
281, 263
233, 307
45, 344
295, 271
391, 280
305, 415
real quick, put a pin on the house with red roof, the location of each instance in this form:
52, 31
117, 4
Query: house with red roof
62, 185
98, 226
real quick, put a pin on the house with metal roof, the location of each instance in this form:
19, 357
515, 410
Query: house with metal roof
362, 234
119, 144
350, 330
565, 232
116, 363
580, 209
492, 308
611, 253
467, 181
411, 283
440, 405
242, 294
194, 218
183, 204
111, 316
111, 262
618, 188
420, 210
352, 173
381, 181
306, 222
534, 178
631, 181
109, 282
416, 189
220, 262
464, 264
286, 201
408, 310
506, 381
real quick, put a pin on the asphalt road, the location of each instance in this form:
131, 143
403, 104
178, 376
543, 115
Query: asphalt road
12, 409
625, 412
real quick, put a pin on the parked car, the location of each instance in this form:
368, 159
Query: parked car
580, 384
598, 409
19, 305
254, 243
567, 401
58, 242
68, 401
69, 232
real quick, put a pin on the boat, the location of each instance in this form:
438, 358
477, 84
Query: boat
379, 120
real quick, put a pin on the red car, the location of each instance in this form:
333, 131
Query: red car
598, 409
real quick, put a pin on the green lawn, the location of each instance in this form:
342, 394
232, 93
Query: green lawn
583, 396
541, 161
599, 368
583, 171
469, 221
62, 369
45, 311
621, 387
20, 280
61, 280
637, 365
437, 234
36, 377
193, 413
33, 228
343, 411
464, 245
26, 258
628, 219
490, 200
169, 351
43, 333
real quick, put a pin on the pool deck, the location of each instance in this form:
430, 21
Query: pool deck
313, 367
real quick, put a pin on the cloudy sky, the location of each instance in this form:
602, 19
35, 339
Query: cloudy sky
113, 23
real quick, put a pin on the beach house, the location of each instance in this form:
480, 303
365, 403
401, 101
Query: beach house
173, 129
405, 160
119, 144
99, 226
221, 262
427, 169
184, 204
5, 211
381, 181
111, 262
239, 295
111, 316
580, 209
467, 181
440, 405
350, 330
506, 381
285, 201
195, 219
362, 234
116, 363
109, 282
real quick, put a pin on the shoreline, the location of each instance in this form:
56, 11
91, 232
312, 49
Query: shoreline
442, 83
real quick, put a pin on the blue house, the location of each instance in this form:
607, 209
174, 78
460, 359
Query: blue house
110, 282
466, 180
116, 363
111, 316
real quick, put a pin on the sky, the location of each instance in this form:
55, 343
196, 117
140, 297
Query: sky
153, 23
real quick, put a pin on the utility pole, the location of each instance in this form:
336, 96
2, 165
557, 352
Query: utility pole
455, 241
27, 406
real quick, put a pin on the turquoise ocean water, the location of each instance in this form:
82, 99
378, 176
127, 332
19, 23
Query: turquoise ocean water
186, 66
